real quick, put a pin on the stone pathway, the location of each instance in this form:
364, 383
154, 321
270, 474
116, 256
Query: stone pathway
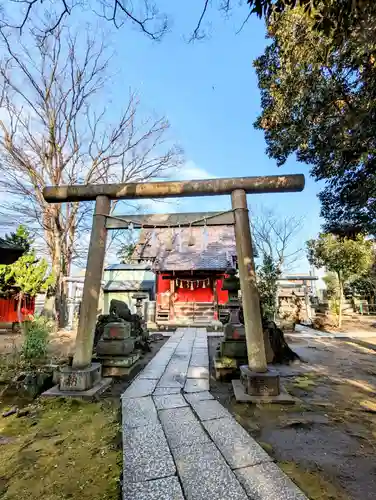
180, 443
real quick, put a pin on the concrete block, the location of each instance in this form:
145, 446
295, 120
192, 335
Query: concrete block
146, 454
267, 482
235, 444
182, 427
210, 409
167, 488
204, 473
73, 379
138, 412
169, 401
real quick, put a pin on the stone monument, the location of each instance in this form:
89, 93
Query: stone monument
119, 339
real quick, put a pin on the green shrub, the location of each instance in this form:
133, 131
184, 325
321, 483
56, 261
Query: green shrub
36, 339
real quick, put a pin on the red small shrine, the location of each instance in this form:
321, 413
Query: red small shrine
190, 264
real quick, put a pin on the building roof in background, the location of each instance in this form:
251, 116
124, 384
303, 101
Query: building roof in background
128, 286
9, 253
298, 277
217, 255
128, 267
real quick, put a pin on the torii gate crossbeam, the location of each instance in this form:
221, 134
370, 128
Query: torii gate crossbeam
238, 188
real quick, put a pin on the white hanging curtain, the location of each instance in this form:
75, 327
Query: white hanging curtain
191, 238
169, 241
205, 236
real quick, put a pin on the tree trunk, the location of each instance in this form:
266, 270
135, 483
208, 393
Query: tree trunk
340, 301
19, 314
61, 302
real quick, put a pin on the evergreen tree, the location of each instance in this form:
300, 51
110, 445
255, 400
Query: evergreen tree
343, 256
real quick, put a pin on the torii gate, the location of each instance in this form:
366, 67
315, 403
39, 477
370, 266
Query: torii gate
237, 187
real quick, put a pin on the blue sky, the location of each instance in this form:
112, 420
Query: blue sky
208, 90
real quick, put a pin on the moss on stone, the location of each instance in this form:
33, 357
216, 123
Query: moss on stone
61, 450
312, 483
267, 447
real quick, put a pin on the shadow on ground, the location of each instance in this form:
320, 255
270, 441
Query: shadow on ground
326, 443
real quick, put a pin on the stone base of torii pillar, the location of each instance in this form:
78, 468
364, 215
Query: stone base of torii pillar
84, 383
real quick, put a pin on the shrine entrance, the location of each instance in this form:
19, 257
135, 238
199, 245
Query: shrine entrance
238, 188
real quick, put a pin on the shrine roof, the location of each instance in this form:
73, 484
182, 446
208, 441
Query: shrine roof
9, 252
213, 252
125, 286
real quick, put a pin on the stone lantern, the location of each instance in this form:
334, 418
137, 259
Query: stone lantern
232, 351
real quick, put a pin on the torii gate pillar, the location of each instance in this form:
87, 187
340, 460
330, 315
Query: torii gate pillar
247, 274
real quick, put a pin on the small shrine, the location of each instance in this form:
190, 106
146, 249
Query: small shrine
190, 263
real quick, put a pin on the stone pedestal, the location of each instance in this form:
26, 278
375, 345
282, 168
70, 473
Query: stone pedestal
260, 387
79, 380
85, 383
116, 349
260, 384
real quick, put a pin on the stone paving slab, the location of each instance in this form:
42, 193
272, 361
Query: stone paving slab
205, 475
146, 454
235, 444
182, 427
163, 391
198, 372
196, 385
267, 482
138, 412
210, 409
198, 396
167, 488
199, 360
153, 438
140, 388
152, 373
169, 401
171, 381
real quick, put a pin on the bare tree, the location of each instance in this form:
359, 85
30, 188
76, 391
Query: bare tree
142, 14
55, 129
274, 236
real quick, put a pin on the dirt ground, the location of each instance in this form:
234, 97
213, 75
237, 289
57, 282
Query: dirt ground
326, 442
358, 323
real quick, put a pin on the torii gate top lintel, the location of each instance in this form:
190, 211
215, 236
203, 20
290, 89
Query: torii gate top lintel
175, 189
237, 187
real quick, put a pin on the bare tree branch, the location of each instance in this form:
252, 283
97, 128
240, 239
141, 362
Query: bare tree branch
53, 131
274, 237
143, 14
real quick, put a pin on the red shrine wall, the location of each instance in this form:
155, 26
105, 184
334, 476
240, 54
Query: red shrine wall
187, 295
196, 295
